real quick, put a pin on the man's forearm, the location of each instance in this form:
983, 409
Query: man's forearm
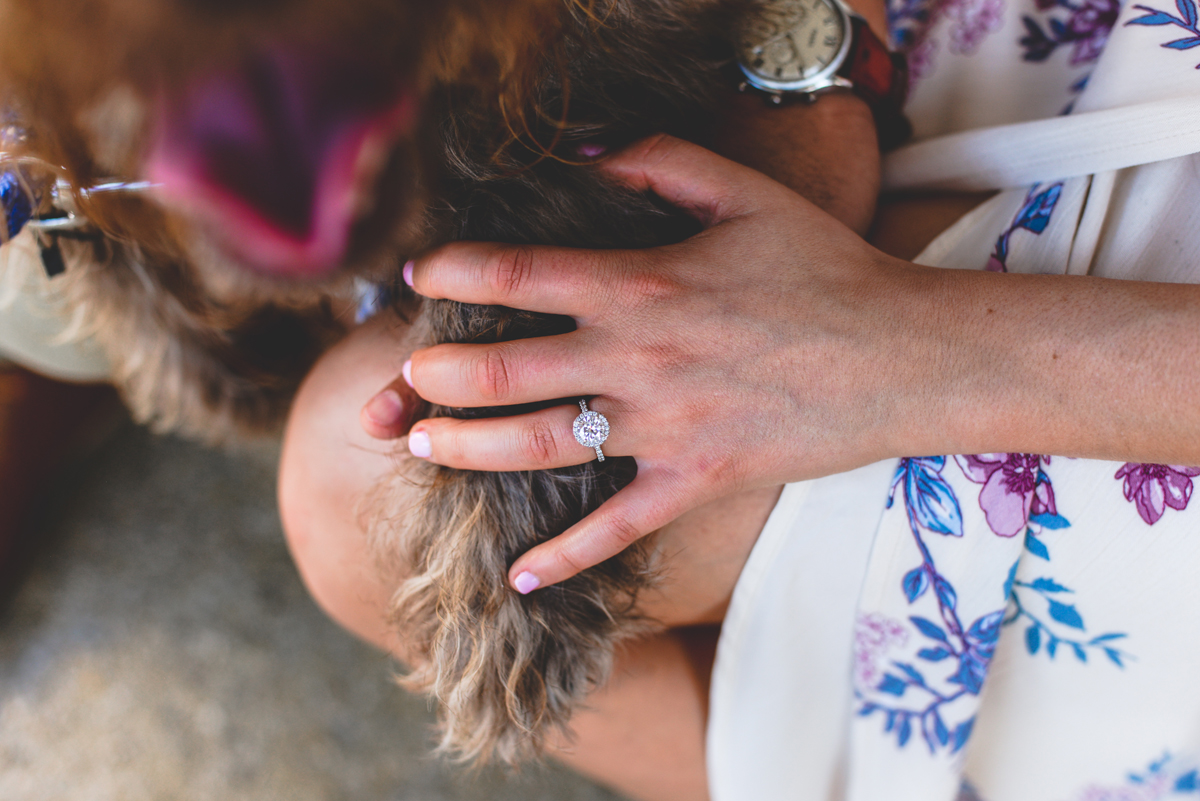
825, 151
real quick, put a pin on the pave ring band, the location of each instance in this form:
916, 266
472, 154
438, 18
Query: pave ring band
591, 429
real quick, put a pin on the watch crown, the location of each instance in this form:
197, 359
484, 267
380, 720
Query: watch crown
776, 99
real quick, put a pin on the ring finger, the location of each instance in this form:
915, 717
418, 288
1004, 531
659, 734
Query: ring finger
537, 441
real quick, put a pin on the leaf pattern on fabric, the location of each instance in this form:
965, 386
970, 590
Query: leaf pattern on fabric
916, 697
1189, 16
1166, 778
916, 700
1033, 216
1018, 498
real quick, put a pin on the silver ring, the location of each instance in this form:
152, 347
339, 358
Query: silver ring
591, 429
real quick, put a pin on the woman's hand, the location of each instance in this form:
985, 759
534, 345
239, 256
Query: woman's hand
760, 351
777, 346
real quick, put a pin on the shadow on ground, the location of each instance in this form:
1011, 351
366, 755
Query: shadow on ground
164, 649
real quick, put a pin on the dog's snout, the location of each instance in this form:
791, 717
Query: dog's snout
275, 151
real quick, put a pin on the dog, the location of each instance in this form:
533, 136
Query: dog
305, 147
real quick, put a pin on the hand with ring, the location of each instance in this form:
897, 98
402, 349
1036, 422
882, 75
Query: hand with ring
694, 353
776, 346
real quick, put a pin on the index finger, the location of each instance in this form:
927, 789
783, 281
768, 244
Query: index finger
653, 499
552, 280
709, 187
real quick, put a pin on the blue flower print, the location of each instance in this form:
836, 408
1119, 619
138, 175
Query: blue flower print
1033, 216
904, 694
1166, 778
928, 497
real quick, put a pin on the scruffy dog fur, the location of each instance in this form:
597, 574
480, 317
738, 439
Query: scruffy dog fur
508, 91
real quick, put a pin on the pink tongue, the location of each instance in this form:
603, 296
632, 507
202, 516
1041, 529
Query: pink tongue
267, 155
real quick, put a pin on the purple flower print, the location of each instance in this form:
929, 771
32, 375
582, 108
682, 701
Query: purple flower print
971, 21
1086, 29
921, 60
1167, 777
874, 636
1089, 25
1154, 487
1151, 790
1014, 489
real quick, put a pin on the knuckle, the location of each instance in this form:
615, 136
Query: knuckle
718, 468
653, 287
450, 441
539, 443
656, 360
569, 563
623, 532
492, 377
439, 267
510, 270
660, 147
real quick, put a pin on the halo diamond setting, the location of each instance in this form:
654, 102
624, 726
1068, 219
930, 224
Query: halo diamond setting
591, 429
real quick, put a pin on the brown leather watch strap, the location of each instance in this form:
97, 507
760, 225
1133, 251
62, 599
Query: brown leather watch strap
880, 77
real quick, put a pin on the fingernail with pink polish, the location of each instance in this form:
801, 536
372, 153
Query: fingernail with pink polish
408, 272
407, 371
527, 583
386, 409
591, 150
419, 445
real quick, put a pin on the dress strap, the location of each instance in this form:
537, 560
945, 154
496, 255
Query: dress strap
1007, 156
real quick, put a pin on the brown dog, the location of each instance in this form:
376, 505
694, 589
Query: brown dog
301, 144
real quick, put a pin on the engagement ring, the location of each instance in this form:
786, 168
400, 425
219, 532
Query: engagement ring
591, 429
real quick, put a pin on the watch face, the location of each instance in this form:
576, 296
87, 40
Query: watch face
791, 40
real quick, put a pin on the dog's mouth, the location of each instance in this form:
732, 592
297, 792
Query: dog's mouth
278, 155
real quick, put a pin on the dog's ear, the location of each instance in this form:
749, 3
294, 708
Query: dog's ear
507, 670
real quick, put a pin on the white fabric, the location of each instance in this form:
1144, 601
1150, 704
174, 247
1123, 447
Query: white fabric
1086, 593
776, 614
1007, 156
36, 331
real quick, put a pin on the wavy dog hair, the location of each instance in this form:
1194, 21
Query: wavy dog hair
511, 90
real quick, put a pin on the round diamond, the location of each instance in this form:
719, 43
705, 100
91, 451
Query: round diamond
591, 429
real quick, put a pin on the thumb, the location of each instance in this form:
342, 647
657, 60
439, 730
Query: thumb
392, 412
644, 506
709, 187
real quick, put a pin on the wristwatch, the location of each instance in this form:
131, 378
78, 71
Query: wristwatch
802, 48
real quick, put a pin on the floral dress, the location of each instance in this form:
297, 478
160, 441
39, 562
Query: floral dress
1006, 626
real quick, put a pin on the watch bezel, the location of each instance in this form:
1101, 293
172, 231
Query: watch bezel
827, 78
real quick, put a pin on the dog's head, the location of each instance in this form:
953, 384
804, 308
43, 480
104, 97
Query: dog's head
291, 146
295, 143
288, 137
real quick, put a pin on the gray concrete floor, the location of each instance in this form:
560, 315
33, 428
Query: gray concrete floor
163, 648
